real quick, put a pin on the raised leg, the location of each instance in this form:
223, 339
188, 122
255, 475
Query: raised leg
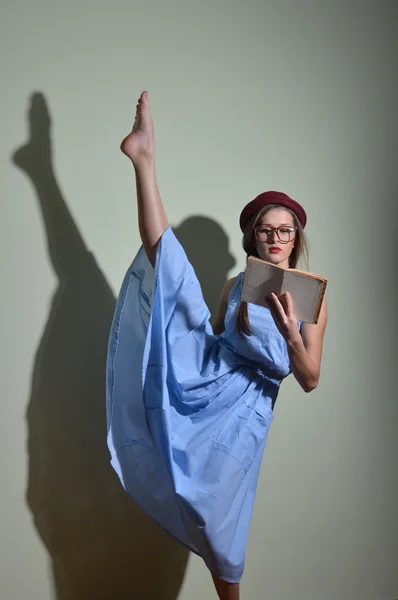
139, 146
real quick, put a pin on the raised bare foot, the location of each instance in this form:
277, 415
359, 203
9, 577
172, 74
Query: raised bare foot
139, 145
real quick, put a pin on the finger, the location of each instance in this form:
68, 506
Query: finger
278, 308
289, 305
270, 302
282, 300
286, 301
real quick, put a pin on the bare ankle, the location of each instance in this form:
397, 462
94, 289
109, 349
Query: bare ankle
144, 164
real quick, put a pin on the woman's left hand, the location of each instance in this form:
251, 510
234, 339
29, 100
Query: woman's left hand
282, 311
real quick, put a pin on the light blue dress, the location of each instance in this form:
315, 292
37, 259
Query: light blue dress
188, 411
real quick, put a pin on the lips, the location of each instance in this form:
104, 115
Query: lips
274, 250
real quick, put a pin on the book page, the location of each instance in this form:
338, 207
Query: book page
261, 278
305, 292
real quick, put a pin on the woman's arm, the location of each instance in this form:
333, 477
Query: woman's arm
305, 350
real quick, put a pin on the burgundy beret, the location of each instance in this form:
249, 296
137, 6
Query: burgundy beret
272, 198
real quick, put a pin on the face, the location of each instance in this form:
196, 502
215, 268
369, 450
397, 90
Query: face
271, 248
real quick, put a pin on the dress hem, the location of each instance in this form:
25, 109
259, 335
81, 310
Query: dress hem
228, 580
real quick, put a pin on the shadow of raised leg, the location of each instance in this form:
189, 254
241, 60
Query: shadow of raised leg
101, 545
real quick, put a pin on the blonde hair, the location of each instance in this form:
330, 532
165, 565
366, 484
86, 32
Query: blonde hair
299, 252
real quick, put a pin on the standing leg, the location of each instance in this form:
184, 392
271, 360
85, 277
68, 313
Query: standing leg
226, 590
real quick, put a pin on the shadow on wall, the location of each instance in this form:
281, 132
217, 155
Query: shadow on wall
206, 246
101, 544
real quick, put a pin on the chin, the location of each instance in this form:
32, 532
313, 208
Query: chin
274, 258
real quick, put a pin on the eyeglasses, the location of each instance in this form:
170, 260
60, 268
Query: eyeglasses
285, 234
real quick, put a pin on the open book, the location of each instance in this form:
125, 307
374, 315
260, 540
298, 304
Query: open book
307, 290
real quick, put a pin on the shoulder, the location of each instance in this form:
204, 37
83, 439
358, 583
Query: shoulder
227, 289
228, 286
218, 321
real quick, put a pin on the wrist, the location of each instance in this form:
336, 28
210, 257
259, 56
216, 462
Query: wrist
294, 339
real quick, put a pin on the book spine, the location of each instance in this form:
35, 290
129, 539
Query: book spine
320, 302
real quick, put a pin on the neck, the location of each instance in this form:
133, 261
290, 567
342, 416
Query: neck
284, 264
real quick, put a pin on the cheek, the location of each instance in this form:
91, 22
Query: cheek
259, 248
289, 247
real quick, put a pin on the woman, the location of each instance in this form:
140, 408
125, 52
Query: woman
189, 404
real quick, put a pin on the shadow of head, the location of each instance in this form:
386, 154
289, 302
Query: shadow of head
207, 247
100, 543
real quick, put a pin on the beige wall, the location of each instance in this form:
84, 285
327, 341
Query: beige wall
299, 96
